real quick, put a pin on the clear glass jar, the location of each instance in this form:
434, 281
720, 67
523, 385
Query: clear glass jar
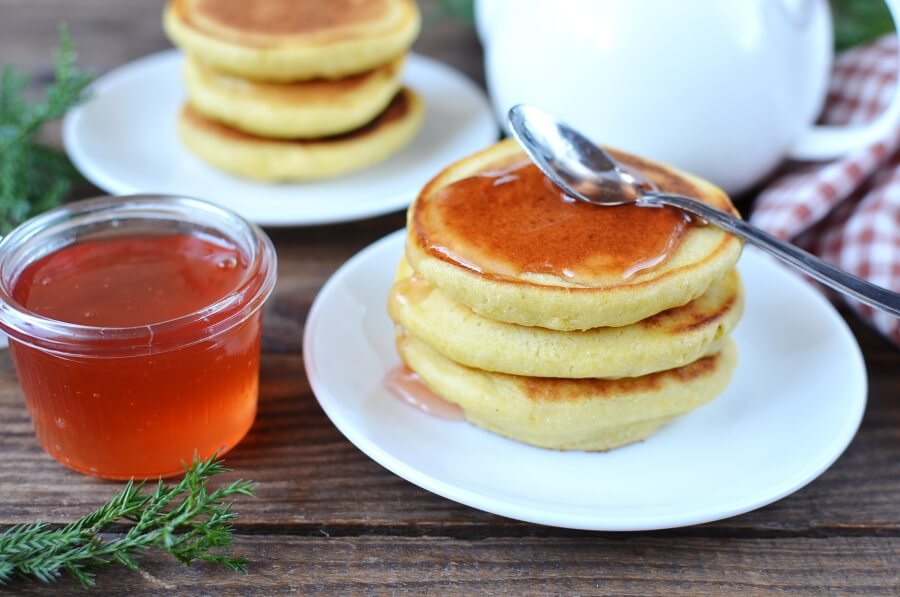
136, 400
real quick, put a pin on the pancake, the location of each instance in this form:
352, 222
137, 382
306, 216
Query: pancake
666, 340
495, 235
307, 109
302, 159
293, 40
586, 414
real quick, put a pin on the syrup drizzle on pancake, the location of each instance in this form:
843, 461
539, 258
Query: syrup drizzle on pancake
513, 221
411, 290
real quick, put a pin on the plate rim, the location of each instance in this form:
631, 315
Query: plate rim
112, 185
500, 507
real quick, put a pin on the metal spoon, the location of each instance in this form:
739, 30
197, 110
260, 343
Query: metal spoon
586, 172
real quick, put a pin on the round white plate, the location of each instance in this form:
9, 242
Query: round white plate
795, 402
124, 141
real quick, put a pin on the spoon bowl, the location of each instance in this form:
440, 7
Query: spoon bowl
571, 160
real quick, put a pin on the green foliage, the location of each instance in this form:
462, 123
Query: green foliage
463, 10
33, 177
187, 520
859, 21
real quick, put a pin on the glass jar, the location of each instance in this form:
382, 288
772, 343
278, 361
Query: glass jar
147, 368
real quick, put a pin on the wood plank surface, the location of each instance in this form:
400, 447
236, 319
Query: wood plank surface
330, 521
623, 565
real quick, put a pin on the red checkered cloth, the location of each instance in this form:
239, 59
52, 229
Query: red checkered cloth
847, 211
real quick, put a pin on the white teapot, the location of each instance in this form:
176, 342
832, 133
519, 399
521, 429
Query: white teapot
722, 88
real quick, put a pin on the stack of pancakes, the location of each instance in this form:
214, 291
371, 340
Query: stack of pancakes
295, 89
559, 323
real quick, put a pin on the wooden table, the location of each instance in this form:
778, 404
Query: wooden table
330, 521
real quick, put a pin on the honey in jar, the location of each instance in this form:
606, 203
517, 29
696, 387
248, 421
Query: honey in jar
135, 330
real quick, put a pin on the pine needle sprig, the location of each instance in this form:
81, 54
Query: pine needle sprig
187, 520
34, 177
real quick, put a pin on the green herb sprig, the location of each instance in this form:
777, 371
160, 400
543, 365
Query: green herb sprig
187, 520
34, 177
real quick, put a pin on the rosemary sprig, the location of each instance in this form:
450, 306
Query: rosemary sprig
187, 520
34, 177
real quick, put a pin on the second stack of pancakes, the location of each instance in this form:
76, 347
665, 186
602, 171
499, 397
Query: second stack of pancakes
295, 89
558, 323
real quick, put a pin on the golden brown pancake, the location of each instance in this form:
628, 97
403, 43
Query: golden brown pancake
493, 234
584, 414
670, 339
303, 159
306, 109
293, 40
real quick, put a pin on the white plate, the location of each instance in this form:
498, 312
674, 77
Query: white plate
795, 402
124, 141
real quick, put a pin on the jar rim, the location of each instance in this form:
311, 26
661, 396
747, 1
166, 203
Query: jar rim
52, 335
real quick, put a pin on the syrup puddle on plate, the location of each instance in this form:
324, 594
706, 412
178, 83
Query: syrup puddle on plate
406, 386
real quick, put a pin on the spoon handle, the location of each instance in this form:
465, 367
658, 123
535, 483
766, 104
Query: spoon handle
865, 292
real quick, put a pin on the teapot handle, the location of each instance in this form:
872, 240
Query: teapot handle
822, 142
